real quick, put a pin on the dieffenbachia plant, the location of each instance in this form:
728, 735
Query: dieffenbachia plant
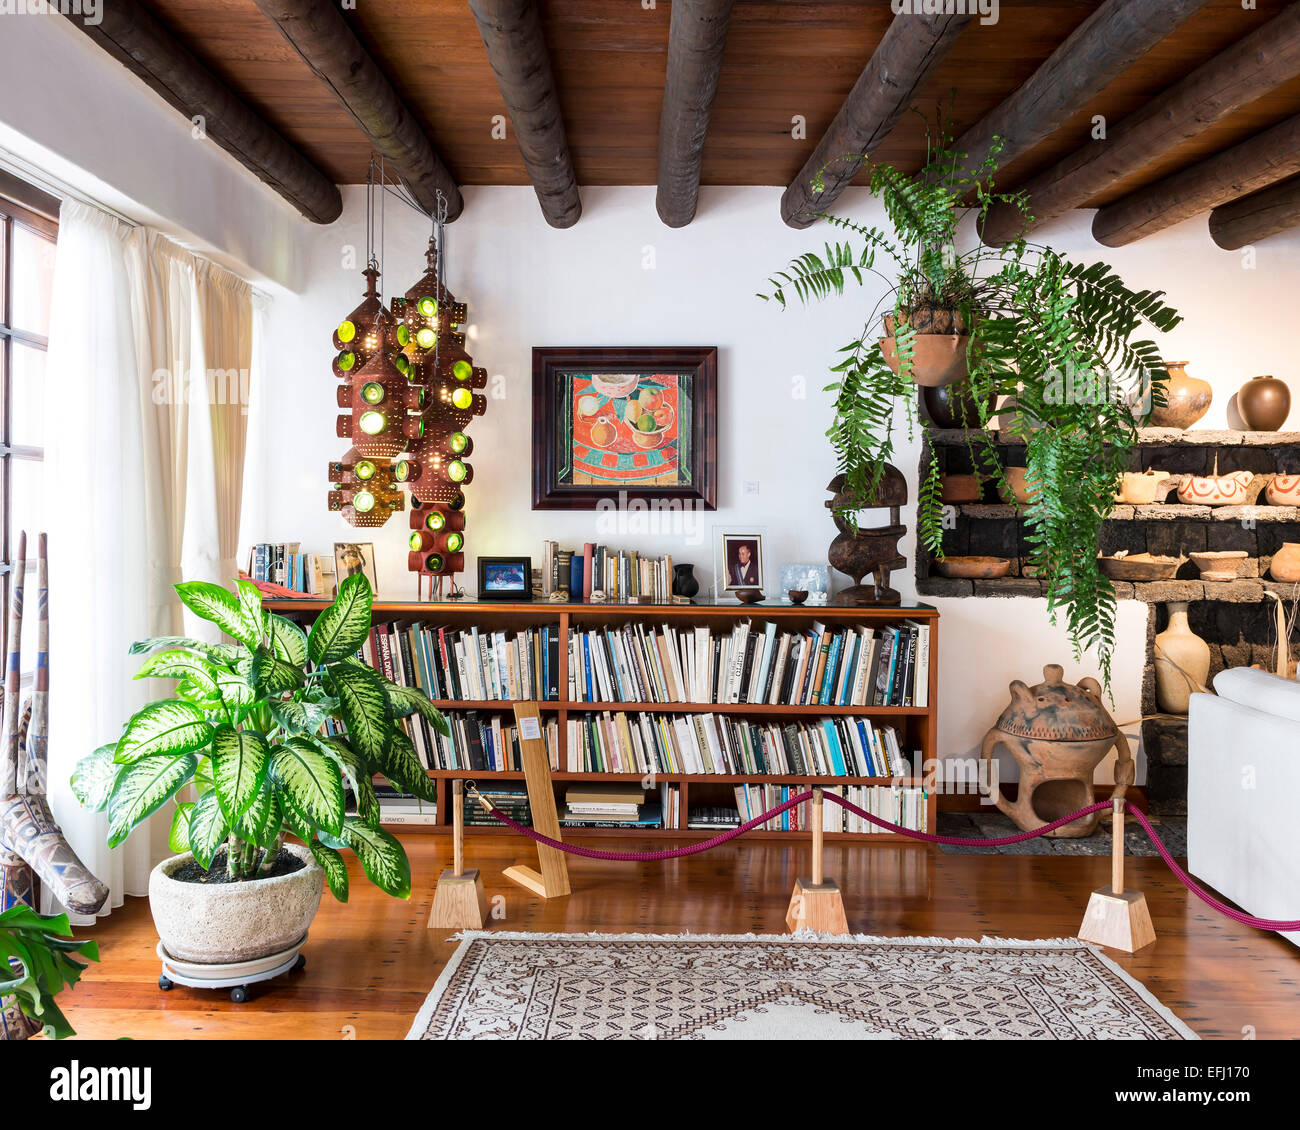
38, 961
247, 730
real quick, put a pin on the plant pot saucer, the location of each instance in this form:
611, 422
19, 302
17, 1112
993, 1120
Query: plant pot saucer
198, 975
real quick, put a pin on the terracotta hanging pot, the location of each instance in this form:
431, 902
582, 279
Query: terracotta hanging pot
1187, 399
938, 349
1264, 403
1182, 661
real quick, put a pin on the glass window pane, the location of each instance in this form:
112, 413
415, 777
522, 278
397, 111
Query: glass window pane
33, 280
26, 483
27, 389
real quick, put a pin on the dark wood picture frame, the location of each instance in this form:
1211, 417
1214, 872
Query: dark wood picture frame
523, 594
551, 361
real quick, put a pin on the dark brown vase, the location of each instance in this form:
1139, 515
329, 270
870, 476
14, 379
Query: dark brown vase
1264, 403
953, 406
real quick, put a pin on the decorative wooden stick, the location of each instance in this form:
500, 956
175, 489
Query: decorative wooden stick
458, 828
1117, 848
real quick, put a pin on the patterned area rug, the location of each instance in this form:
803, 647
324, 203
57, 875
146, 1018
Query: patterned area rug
993, 825
506, 986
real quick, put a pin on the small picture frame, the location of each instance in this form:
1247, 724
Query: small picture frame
812, 579
352, 557
505, 578
737, 561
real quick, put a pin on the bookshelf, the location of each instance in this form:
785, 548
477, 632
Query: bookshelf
917, 726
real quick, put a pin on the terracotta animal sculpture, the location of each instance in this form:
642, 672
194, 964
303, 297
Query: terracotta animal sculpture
1058, 733
32, 847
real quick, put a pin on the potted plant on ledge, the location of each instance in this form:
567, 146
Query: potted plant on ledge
1021, 322
247, 730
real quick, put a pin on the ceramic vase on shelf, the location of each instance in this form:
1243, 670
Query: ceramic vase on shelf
1264, 403
684, 582
1187, 399
1182, 662
1285, 566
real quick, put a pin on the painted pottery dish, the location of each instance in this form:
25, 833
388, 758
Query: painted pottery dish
1216, 490
1219, 565
974, 568
1283, 490
1138, 567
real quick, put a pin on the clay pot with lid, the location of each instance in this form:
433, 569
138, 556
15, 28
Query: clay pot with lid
1264, 403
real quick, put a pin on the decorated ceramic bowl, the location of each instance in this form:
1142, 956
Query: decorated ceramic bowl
1217, 490
1283, 490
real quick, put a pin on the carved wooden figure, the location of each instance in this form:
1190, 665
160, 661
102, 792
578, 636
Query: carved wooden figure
860, 552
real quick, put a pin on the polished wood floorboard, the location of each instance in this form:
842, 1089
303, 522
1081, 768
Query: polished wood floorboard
371, 963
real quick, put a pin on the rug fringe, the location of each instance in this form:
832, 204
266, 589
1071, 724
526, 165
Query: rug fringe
800, 936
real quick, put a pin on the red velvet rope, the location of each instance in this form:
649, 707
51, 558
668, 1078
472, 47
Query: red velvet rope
1282, 925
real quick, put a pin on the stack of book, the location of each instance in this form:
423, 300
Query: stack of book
398, 807
624, 576
512, 800
846, 666
451, 665
285, 564
610, 806
712, 816
622, 742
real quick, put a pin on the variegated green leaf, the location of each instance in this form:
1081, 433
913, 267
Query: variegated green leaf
163, 728
181, 664
309, 784
219, 652
178, 838
411, 700
287, 639
336, 871
208, 830
250, 601
401, 765
272, 676
381, 856
93, 778
142, 788
342, 627
298, 717
358, 771
240, 759
235, 689
364, 707
218, 606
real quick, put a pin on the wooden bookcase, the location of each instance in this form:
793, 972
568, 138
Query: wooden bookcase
917, 726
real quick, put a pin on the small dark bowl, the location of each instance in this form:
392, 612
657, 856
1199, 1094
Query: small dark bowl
797, 596
749, 596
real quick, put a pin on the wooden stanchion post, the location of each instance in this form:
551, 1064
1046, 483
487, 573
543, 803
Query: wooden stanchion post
460, 901
816, 903
553, 878
1116, 917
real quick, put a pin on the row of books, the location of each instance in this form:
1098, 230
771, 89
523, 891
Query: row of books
511, 799
849, 666
622, 742
622, 576
904, 805
621, 806
458, 664
482, 743
285, 564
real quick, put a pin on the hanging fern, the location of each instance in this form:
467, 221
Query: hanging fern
1055, 338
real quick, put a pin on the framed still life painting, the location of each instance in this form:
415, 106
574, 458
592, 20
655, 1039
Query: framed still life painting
638, 423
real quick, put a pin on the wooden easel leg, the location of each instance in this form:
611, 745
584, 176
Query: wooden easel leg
1115, 917
552, 881
460, 901
816, 902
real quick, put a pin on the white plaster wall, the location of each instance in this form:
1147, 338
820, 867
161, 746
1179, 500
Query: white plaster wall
619, 277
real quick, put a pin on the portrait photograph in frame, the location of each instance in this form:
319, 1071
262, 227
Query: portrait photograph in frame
737, 561
634, 423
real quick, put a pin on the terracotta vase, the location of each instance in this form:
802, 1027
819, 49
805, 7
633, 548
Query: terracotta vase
1182, 661
1187, 399
1285, 565
1264, 403
1018, 491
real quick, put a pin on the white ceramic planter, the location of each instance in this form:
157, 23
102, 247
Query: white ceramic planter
233, 922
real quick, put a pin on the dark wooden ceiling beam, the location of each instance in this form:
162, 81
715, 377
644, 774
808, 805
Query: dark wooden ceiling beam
912, 47
317, 30
1256, 163
516, 48
1250, 68
140, 43
697, 36
1256, 217
1096, 53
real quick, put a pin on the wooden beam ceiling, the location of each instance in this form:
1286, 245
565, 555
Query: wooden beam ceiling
1097, 52
1263, 60
516, 48
911, 49
317, 31
1252, 218
696, 40
1254, 164
129, 33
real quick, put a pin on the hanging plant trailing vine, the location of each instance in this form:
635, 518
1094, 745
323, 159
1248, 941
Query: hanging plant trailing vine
1054, 336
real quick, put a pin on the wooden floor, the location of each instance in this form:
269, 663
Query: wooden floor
371, 963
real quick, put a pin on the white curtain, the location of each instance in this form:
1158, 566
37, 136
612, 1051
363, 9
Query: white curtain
133, 487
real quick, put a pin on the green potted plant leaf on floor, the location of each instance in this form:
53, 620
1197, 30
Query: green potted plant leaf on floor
38, 960
247, 731
1054, 338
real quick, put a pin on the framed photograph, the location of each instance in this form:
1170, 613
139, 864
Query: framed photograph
505, 578
813, 579
640, 423
352, 557
737, 560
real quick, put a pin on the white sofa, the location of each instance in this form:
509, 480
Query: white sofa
1243, 792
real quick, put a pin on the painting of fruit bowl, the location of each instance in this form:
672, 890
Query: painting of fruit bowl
642, 430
